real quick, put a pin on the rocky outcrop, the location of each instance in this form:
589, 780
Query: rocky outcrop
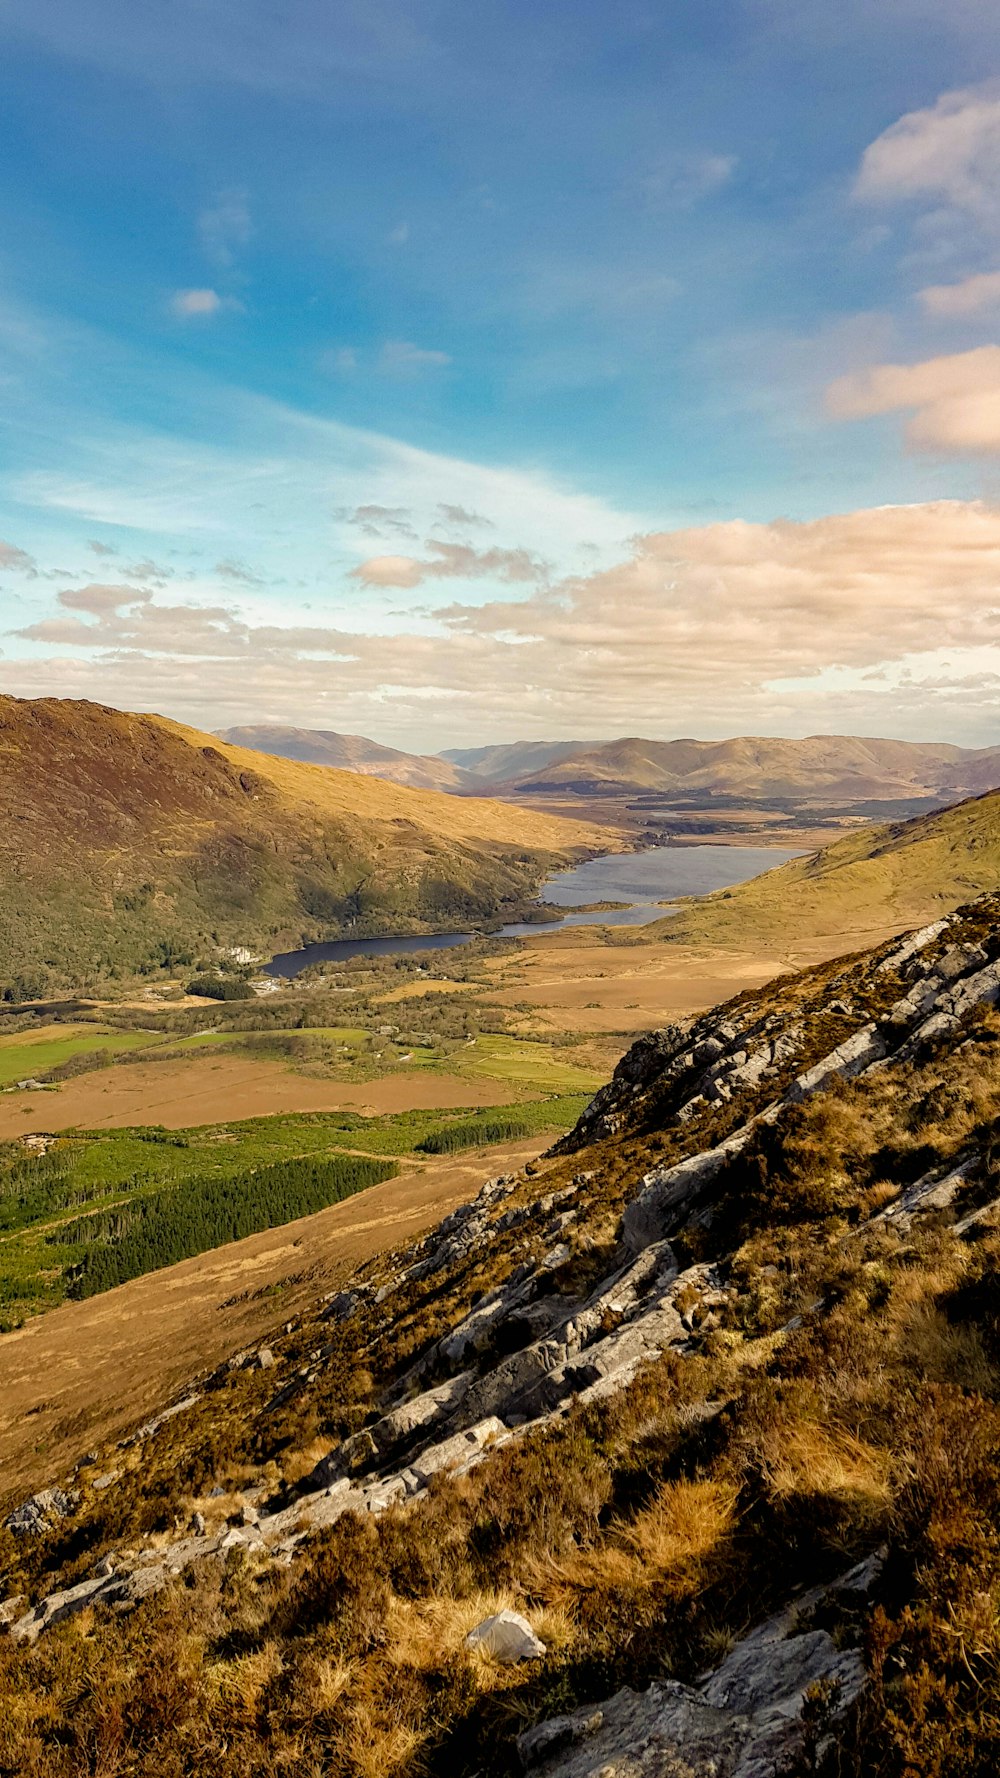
780, 1692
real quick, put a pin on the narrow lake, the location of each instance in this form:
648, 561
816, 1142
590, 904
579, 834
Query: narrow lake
642, 880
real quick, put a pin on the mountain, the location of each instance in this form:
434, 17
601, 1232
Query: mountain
821, 768
875, 880
352, 753
674, 1452
507, 762
130, 843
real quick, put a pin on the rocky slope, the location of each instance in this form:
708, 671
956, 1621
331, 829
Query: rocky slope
129, 843
710, 1397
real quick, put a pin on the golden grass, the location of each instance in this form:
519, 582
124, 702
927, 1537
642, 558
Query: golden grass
809, 1458
328, 791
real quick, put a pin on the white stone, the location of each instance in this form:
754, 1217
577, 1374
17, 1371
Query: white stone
507, 1636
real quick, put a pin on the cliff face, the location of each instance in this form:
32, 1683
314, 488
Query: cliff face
709, 1399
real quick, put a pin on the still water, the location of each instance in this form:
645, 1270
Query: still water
640, 879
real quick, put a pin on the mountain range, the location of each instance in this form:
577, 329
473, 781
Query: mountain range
819, 769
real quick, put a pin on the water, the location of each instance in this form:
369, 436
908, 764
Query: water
643, 880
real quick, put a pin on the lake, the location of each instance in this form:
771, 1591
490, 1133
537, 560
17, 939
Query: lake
640, 879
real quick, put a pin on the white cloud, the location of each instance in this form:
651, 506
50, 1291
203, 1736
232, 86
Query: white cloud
973, 296
188, 305
844, 622
955, 400
452, 561
948, 152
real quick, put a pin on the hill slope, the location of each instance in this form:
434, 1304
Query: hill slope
129, 842
825, 768
711, 1405
352, 753
874, 881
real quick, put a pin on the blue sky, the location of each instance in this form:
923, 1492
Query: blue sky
450, 372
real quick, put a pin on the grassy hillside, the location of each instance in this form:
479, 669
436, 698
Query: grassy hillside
875, 881
129, 844
351, 753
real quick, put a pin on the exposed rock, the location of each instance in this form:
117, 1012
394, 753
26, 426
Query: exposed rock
35, 1515
507, 1636
745, 1721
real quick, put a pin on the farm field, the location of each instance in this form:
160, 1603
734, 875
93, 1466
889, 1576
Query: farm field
178, 1094
33, 1053
94, 1193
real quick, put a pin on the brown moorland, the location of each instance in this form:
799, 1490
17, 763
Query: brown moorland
208, 1090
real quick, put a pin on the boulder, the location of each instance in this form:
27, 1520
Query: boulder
507, 1636
34, 1516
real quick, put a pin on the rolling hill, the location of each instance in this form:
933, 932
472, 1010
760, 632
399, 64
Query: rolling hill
820, 768
875, 881
352, 753
130, 843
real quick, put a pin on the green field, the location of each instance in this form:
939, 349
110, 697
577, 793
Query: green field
28, 1057
524, 1063
128, 1171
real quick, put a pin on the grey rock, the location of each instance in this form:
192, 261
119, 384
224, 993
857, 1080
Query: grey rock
35, 1515
744, 1721
508, 1637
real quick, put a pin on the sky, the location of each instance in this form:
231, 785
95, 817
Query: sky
455, 374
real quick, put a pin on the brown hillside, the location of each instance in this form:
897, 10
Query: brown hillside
128, 842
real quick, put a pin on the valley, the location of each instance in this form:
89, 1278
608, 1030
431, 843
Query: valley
599, 1170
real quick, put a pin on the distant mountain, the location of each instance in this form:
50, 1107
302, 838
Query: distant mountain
819, 768
875, 880
352, 753
509, 761
130, 844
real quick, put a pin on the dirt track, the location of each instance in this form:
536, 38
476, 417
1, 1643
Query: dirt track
89, 1370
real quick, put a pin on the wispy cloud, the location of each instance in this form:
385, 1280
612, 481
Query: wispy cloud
845, 620
200, 305
682, 180
224, 226
401, 358
452, 561
378, 521
16, 560
460, 515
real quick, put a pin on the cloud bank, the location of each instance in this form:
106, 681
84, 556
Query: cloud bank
884, 620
